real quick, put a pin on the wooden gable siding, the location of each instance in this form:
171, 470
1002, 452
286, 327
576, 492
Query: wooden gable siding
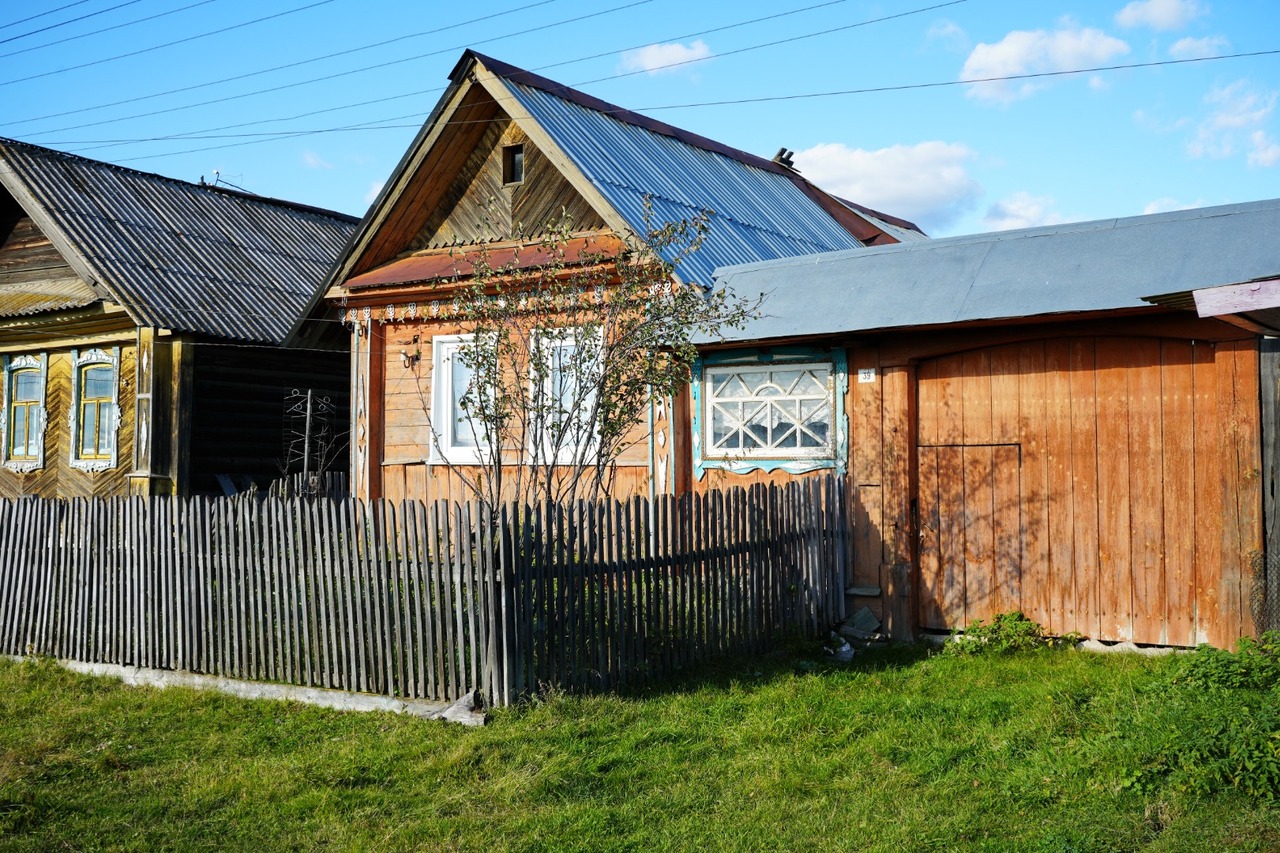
27, 255
399, 417
57, 479
427, 182
478, 207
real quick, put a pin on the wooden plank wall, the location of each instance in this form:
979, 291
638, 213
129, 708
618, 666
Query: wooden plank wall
406, 470
1103, 485
422, 600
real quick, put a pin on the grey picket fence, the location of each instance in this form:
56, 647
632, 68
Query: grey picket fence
424, 601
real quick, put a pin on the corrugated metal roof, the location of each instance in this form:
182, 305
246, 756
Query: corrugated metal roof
20, 299
186, 257
1090, 266
758, 213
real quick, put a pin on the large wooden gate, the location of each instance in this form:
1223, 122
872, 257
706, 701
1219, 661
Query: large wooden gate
1106, 486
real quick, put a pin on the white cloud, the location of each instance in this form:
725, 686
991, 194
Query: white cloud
1265, 151
1021, 210
312, 160
951, 34
656, 58
1159, 14
926, 183
376, 187
1035, 52
1189, 48
1166, 204
1237, 111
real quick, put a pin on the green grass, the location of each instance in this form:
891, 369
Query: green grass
1041, 751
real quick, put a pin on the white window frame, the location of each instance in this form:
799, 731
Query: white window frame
79, 363
711, 373
12, 364
444, 349
564, 338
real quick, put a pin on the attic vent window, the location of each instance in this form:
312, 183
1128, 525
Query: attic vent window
513, 164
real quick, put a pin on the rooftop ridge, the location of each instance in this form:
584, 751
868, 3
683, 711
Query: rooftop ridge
52, 153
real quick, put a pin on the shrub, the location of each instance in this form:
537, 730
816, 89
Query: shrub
1255, 665
1008, 632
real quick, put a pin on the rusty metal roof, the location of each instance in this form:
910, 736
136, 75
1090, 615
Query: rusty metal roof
180, 256
439, 264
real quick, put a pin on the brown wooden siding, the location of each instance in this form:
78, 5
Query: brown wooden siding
27, 255
57, 479
400, 449
1103, 485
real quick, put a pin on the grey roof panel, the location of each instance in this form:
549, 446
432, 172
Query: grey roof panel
1080, 267
186, 257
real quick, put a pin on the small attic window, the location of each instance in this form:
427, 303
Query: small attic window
513, 164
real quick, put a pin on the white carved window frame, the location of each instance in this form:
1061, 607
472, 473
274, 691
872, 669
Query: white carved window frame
12, 364
80, 361
765, 409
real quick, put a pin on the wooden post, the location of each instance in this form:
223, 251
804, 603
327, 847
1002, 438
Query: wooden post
1268, 617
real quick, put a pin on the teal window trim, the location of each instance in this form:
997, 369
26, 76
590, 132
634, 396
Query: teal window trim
768, 357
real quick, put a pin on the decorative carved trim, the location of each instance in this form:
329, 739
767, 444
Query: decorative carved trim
79, 362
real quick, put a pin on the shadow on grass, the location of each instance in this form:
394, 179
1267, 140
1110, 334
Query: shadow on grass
736, 671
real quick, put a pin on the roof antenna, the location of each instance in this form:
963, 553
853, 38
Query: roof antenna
783, 158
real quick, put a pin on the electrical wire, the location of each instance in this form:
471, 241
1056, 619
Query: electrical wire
156, 47
365, 103
288, 65
71, 21
453, 49
905, 87
105, 29
42, 14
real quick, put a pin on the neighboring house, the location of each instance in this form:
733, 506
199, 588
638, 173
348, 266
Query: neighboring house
151, 329
1020, 428
504, 153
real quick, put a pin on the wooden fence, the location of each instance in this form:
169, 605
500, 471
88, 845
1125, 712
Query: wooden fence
422, 601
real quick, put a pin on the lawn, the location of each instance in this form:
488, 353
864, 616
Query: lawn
904, 749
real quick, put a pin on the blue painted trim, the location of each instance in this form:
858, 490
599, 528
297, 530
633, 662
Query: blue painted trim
773, 355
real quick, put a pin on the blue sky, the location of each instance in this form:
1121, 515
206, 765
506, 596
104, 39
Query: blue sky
870, 95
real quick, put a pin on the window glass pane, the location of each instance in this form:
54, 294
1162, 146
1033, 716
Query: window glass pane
26, 386
460, 376
20, 441
97, 383
782, 411
89, 429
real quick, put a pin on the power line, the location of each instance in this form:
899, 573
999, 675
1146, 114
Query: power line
42, 14
905, 87
365, 103
520, 32
105, 29
167, 44
288, 65
64, 23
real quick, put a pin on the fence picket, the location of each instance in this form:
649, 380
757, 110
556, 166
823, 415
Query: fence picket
423, 601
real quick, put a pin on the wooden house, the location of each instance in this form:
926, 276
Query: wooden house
151, 329
1021, 427
504, 153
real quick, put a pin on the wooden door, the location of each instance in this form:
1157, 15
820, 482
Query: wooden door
1105, 486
